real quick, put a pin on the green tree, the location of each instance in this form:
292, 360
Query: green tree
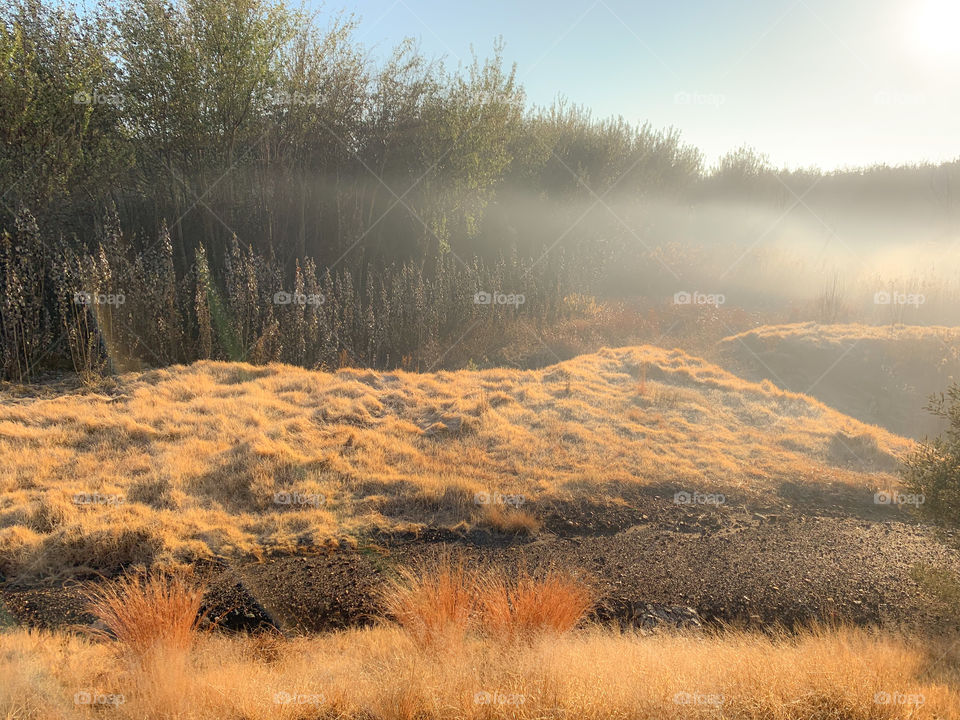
61, 140
933, 469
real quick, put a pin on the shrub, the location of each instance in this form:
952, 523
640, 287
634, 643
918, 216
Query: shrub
941, 582
933, 469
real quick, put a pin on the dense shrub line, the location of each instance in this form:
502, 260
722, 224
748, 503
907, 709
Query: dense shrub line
198, 156
116, 308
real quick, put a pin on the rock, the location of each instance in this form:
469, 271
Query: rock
650, 616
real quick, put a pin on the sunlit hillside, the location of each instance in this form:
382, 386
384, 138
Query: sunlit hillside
878, 374
224, 459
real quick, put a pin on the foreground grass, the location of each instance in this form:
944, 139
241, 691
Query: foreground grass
384, 673
226, 458
466, 645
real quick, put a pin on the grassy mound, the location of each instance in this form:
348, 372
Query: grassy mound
225, 459
880, 375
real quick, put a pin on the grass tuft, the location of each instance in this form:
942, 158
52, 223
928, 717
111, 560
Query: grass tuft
511, 520
433, 605
528, 606
447, 602
148, 613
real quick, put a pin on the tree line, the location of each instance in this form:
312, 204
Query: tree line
205, 159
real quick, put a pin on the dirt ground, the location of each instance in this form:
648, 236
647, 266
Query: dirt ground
805, 557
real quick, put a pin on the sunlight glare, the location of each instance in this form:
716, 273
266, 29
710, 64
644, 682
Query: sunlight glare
936, 28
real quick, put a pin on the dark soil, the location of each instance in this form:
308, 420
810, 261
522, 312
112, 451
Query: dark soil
798, 560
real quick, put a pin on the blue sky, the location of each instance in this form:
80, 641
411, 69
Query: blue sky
830, 83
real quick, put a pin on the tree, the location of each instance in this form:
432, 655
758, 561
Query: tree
933, 469
61, 142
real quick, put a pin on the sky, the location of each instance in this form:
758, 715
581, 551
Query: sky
811, 83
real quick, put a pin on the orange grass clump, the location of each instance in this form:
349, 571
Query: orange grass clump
432, 605
529, 606
448, 601
145, 614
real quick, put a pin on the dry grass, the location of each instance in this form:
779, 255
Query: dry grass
433, 605
882, 375
523, 606
229, 459
515, 521
146, 614
588, 674
441, 604
829, 334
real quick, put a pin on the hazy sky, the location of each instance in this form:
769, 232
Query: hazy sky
810, 82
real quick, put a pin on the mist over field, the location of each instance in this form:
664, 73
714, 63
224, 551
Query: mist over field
349, 371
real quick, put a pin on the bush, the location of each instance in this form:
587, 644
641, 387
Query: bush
527, 606
933, 469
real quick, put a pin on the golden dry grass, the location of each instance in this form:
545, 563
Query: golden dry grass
434, 606
878, 374
150, 613
229, 459
831, 333
511, 520
523, 606
443, 603
592, 674
455, 655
